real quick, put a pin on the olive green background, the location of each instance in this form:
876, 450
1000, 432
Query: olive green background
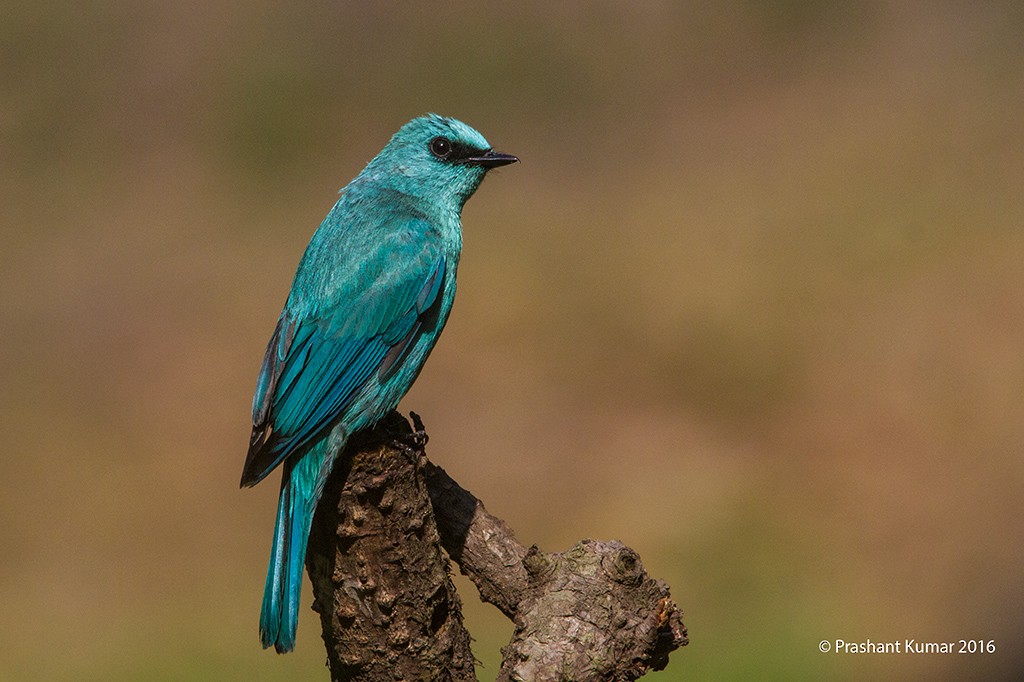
753, 303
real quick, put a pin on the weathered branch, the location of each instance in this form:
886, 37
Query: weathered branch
381, 583
480, 543
591, 613
389, 610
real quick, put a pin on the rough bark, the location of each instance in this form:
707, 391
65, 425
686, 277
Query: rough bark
481, 544
388, 608
381, 583
591, 613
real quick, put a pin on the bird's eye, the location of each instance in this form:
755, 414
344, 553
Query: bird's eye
441, 147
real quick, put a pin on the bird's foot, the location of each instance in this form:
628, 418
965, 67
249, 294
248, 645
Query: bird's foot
419, 436
412, 444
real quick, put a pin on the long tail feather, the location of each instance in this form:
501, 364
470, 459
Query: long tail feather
273, 597
279, 616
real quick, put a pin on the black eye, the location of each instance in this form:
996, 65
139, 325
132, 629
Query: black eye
441, 147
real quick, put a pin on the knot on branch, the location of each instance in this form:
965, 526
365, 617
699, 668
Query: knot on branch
591, 612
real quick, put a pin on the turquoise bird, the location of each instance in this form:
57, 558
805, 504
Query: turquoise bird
369, 300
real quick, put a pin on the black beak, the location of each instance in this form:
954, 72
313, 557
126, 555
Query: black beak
491, 159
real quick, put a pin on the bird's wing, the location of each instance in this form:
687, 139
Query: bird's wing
316, 364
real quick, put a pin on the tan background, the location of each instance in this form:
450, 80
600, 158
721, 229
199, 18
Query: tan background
752, 303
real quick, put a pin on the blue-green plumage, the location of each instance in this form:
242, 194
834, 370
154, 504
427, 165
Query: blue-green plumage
370, 297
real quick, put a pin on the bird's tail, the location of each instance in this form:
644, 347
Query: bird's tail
279, 616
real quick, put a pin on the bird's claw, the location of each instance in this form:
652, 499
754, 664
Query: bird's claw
419, 435
412, 444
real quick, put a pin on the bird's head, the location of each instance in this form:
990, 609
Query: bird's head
435, 158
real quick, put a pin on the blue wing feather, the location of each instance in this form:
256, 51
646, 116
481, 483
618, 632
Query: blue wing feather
316, 363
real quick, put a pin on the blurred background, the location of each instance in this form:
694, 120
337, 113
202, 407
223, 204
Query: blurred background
752, 304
